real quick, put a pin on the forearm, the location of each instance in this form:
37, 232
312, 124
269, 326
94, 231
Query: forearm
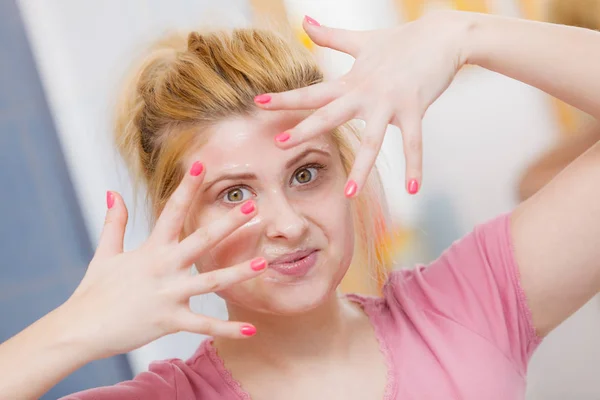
560, 60
39, 357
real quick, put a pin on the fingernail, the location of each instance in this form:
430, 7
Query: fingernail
259, 264
110, 199
282, 137
311, 21
197, 168
248, 330
413, 186
262, 99
351, 187
248, 207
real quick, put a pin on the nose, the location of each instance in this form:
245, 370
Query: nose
284, 221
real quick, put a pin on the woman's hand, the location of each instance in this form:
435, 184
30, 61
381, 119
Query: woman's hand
397, 74
128, 299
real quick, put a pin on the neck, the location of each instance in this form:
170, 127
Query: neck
325, 330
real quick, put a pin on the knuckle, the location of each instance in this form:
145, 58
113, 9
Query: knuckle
328, 36
206, 326
115, 218
371, 142
205, 236
320, 118
414, 144
166, 323
211, 281
177, 205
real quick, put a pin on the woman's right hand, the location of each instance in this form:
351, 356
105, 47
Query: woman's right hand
128, 299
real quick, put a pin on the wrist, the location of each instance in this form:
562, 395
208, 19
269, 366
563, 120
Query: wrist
472, 37
64, 333
462, 30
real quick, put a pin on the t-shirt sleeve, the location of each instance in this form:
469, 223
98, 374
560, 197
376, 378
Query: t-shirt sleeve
476, 283
158, 383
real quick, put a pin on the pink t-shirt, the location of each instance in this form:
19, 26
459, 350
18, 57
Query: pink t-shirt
459, 328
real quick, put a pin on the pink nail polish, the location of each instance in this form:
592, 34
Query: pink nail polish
248, 207
262, 99
351, 188
110, 199
259, 264
197, 168
248, 330
282, 137
413, 186
311, 21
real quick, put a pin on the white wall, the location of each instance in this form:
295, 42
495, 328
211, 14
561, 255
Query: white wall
478, 137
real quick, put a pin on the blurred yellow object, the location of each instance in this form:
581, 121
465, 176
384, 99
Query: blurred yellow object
567, 116
410, 9
304, 39
471, 5
392, 244
413, 9
532, 9
366, 281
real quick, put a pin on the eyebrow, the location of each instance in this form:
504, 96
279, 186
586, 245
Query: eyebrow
304, 154
230, 177
249, 176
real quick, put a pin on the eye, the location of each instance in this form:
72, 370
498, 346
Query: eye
237, 195
305, 175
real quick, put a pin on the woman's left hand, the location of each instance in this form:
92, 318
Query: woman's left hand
396, 76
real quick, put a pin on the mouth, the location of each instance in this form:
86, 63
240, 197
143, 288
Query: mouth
295, 264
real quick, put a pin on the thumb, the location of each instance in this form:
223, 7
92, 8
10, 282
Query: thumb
113, 233
343, 40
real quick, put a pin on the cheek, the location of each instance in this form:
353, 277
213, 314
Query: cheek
331, 211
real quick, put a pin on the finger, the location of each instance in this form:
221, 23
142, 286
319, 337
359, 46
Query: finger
306, 98
206, 237
169, 224
202, 324
412, 140
113, 233
324, 120
367, 155
343, 40
219, 279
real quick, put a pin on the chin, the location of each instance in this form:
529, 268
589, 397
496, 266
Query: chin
283, 297
299, 298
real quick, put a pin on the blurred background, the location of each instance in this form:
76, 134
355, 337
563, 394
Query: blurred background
61, 64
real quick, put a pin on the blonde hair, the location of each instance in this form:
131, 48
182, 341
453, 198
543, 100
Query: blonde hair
186, 84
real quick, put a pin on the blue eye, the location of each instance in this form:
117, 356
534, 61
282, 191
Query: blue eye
237, 195
304, 176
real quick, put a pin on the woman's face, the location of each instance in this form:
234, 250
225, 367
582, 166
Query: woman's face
304, 223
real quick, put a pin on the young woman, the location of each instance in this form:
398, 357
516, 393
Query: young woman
271, 206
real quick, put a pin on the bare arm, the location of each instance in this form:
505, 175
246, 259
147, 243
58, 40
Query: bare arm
554, 161
556, 231
400, 72
33, 361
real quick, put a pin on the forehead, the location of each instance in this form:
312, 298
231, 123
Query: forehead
250, 140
